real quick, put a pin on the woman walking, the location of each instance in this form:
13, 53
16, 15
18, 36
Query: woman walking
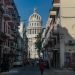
42, 67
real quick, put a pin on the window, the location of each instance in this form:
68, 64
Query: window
37, 17
30, 31
32, 24
35, 31
35, 24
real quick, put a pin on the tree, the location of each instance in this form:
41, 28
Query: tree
38, 43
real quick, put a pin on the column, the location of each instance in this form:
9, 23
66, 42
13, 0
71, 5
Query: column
62, 49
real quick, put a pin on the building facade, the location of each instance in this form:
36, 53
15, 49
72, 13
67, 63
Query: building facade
9, 27
33, 29
59, 36
22, 45
67, 18
25, 44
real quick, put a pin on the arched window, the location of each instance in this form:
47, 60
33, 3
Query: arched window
37, 17
32, 24
35, 24
35, 31
30, 31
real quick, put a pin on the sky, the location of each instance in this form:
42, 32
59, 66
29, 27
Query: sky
26, 7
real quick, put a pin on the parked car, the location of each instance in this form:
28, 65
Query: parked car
17, 63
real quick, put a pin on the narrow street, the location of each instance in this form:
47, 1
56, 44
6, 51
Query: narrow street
37, 36
29, 70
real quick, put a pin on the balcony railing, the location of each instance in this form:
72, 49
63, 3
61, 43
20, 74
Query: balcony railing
14, 30
10, 7
12, 45
7, 14
56, 3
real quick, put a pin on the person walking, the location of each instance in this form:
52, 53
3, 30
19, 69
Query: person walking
33, 63
42, 67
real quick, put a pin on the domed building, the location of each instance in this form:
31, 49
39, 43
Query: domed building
33, 29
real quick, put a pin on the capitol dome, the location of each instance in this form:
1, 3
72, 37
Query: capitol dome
33, 29
35, 24
35, 16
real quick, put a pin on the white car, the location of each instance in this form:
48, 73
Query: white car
17, 63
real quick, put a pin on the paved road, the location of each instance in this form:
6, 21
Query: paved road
35, 71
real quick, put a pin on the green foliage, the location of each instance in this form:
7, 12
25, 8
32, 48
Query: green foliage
38, 43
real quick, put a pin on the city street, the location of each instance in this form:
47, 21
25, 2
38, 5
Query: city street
39, 34
29, 70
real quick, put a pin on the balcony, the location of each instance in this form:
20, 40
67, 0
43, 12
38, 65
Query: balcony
7, 15
16, 18
11, 23
14, 30
7, 2
18, 21
53, 14
10, 7
6, 49
12, 45
7, 35
12, 33
70, 43
56, 4
11, 37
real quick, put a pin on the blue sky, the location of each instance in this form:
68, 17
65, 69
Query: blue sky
26, 7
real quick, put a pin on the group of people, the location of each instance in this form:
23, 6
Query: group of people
41, 65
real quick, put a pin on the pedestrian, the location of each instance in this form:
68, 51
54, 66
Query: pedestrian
42, 67
33, 63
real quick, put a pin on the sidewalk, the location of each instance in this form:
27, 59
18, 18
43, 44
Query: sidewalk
34, 71
59, 72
